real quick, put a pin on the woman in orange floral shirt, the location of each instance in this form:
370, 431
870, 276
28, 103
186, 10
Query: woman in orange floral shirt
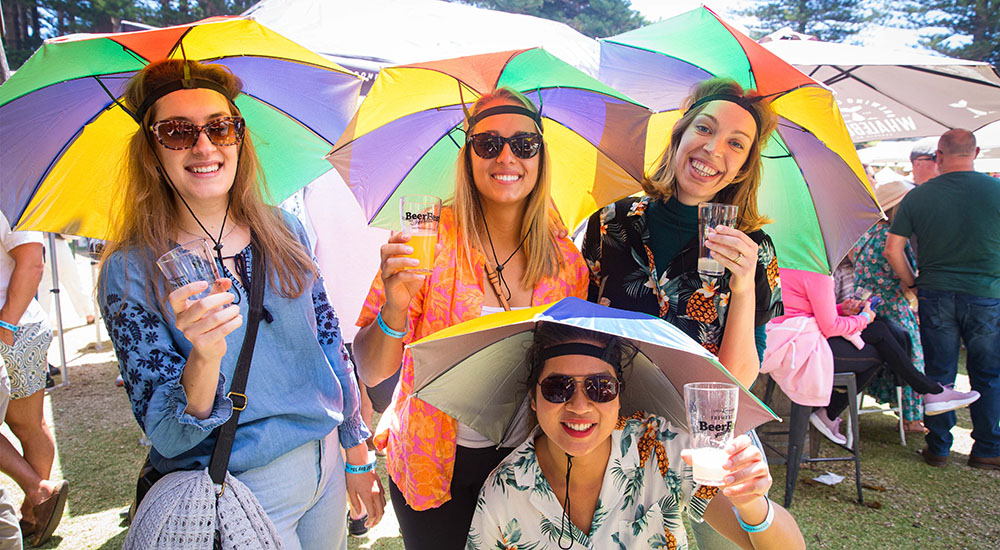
500, 222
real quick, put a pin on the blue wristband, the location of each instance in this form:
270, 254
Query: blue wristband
388, 331
762, 525
363, 469
10, 327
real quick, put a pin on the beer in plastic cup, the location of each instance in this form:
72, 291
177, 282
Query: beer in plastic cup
711, 413
419, 216
711, 214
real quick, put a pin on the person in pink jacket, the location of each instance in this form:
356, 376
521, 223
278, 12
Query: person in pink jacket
808, 294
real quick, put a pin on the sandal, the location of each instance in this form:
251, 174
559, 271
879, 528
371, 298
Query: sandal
48, 513
914, 427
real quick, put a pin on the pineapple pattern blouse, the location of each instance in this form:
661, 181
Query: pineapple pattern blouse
646, 487
623, 274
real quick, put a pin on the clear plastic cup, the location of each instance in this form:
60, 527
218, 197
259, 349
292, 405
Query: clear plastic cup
711, 413
711, 214
419, 216
188, 263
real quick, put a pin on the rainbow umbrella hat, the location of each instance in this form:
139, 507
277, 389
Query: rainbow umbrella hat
814, 186
64, 136
406, 134
475, 371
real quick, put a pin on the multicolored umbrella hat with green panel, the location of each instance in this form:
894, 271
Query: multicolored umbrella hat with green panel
814, 186
64, 135
406, 135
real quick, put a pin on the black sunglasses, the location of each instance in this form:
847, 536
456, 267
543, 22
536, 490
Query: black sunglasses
181, 134
488, 146
600, 388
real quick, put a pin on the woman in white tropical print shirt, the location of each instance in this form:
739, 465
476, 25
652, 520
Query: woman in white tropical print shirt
628, 484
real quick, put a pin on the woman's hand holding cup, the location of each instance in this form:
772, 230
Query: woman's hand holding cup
207, 321
748, 477
399, 282
735, 251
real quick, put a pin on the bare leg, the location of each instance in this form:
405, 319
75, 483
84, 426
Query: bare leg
26, 419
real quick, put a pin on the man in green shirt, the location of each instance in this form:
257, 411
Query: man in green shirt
956, 219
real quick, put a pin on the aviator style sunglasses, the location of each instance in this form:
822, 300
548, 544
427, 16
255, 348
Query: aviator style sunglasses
488, 146
181, 134
600, 388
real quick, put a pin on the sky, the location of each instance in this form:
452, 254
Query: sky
876, 35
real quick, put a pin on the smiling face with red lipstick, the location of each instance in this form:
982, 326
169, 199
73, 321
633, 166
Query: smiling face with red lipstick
580, 425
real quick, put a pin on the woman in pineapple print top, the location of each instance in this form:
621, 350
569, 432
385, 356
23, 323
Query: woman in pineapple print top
588, 478
643, 251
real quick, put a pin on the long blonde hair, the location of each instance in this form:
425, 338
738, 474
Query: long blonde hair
540, 247
149, 216
742, 191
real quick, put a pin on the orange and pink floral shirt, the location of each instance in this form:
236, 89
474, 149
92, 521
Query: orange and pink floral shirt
421, 440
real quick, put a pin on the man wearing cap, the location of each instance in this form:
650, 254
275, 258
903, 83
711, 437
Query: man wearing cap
923, 159
956, 217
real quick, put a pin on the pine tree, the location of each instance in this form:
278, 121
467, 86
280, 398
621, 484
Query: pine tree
830, 20
594, 18
976, 24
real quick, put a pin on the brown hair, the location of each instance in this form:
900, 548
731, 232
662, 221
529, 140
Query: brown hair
148, 214
540, 247
742, 191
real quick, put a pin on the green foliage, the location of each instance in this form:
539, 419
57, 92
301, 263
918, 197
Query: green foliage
28, 22
594, 18
975, 19
831, 20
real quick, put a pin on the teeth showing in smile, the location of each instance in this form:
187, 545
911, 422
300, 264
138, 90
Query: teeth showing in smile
205, 169
506, 177
578, 427
703, 169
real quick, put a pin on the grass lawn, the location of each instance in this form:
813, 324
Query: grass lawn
99, 451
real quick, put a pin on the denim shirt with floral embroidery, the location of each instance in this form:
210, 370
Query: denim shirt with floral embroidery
301, 383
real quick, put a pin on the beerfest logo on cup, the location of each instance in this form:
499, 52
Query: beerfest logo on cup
720, 421
424, 217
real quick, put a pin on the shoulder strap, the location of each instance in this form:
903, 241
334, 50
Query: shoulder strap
227, 433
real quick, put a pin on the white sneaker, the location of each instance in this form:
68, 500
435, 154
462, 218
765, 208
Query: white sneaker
829, 428
947, 400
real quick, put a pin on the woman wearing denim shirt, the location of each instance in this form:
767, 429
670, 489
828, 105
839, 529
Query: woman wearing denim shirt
190, 170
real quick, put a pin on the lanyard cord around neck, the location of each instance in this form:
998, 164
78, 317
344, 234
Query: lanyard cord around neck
500, 266
566, 522
217, 242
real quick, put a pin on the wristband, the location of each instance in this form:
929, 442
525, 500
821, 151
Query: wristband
866, 315
362, 469
388, 331
762, 525
10, 327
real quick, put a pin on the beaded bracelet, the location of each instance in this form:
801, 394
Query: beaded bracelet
762, 525
9, 326
388, 331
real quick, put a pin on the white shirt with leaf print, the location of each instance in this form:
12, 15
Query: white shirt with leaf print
646, 487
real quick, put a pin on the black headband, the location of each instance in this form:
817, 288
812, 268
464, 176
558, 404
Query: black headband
742, 101
579, 348
173, 86
505, 110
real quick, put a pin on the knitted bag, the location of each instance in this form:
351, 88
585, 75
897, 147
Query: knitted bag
185, 510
